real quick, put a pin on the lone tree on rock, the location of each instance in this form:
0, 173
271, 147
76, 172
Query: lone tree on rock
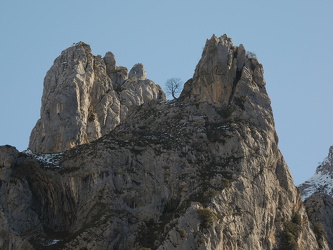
173, 87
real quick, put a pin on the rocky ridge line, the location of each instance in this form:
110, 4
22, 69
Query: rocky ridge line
322, 180
200, 172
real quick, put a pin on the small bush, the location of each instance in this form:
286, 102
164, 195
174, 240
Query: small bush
226, 183
319, 232
251, 55
206, 217
240, 102
288, 241
182, 233
291, 233
297, 219
292, 228
225, 112
208, 196
200, 241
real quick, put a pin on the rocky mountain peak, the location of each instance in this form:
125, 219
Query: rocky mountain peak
85, 97
326, 167
221, 68
110, 62
322, 180
138, 72
200, 172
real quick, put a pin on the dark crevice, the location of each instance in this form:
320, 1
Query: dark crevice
234, 85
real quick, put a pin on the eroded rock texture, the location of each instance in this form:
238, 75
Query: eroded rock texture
317, 192
200, 172
85, 97
320, 210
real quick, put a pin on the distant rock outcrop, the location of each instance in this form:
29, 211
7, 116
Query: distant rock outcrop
200, 172
85, 97
322, 180
317, 192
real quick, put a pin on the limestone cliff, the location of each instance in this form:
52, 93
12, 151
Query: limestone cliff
318, 195
201, 172
85, 97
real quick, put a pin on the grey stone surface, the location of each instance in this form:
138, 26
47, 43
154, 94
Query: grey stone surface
85, 97
138, 72
200, 172
110, 63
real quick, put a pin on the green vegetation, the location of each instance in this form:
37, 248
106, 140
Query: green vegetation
68, 170
240, 102
251, 55
291, 232
200, 241
182, 233
297, 219
226, 183
206, 217
225, 112
208, 196
319, 232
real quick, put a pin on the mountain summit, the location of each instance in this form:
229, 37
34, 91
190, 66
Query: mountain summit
322, 180
200, 172
85, 97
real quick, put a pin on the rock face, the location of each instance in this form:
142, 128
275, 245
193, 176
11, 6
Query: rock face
320, 210
318, 195
201, 172
220, 70
322, 180
16, 215
85, 97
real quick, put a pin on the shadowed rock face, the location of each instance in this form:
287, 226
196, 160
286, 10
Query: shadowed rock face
320, 210
85, 97
201, 172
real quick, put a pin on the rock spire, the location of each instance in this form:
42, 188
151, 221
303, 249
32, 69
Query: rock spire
85, 97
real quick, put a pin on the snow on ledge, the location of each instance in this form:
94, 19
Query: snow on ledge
48, 160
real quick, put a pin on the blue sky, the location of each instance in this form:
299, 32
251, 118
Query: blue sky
292, 39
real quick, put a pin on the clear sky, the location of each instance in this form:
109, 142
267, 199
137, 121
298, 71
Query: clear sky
292, 39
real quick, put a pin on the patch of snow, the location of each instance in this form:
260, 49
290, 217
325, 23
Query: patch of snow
319, 182
224, 127
322, 180
49, 160
52, 242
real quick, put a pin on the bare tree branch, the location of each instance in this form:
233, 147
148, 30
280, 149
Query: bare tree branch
173, 87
